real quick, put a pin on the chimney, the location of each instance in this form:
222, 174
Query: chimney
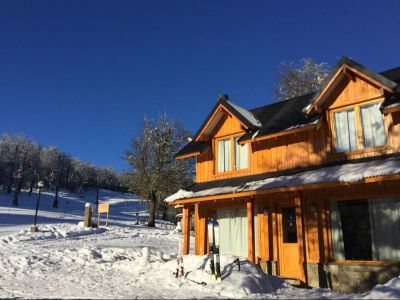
222, 97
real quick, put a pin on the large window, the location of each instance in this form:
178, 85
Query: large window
370, 129
240, 159
366, 229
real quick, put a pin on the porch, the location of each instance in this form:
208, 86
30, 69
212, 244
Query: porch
289, 231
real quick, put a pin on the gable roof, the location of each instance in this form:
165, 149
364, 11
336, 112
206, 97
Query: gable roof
295, 113
243, 115
340, 70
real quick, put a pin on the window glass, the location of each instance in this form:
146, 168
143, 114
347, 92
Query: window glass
224, 155
345, 127
289, 228
372, 126
241, 155
366, 229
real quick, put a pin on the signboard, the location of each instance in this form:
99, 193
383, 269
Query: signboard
103, 208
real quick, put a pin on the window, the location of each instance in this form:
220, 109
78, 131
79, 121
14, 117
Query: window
241, 155
345, 126
224, 155
372, 126
369, 133
366, 229
240, 159
289, 228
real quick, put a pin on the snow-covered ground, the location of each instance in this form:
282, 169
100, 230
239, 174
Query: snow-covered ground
122, 260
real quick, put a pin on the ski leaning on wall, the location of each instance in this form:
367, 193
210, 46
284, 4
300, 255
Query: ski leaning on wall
213, 239
210, 227
216, 247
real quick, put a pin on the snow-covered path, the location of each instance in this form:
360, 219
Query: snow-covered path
123, 260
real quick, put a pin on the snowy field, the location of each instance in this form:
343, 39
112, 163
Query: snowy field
123, 260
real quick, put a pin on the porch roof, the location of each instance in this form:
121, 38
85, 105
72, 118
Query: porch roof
349, 172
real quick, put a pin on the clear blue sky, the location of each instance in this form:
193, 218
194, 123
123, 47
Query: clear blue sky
80, 75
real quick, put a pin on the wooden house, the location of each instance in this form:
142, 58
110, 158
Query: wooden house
307, 188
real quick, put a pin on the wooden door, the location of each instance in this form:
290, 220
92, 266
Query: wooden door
289, 263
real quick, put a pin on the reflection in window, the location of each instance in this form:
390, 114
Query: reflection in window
366, 229
372, 126
289, 225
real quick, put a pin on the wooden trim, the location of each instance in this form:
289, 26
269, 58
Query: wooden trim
217, 110
250, 229
341, 69
313, 106
186, 229
232, 170
282, 133
300, 235
285, 189
187, 155
391, 110
359, 132
367, 78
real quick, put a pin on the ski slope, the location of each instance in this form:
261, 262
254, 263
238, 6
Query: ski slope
122, 260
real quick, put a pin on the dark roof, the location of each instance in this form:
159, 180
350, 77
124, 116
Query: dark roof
281, 116
289, 114
193, 147
392, 74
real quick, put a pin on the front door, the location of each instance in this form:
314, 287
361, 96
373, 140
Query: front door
289, 263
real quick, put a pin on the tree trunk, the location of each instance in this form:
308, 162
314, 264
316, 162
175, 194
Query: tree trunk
152, 212
66, 179
16, 192
55, 202
97, 197
31, 188
9, 186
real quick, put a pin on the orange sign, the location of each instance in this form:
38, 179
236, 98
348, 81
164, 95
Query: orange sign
103, 208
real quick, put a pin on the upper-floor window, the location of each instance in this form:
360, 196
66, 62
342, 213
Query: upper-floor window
224, 155
370, 128
226, 148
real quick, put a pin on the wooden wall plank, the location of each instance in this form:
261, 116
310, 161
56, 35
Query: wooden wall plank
250, 229
186, 229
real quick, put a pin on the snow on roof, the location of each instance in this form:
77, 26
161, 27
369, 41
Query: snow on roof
246, 114
349, 172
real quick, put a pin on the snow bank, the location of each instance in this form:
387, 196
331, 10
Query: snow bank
389, 290
350, 172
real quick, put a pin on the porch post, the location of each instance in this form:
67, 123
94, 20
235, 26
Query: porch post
250, 229
200, 243
300, 235
186, 229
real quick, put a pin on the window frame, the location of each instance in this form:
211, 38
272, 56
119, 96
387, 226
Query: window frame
359, 129
232, 155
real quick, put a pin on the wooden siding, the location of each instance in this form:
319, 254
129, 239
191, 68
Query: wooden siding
307, 148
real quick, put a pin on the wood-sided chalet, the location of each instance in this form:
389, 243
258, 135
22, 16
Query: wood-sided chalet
309, 187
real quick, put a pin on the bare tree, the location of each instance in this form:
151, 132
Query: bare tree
296, 79
156, 173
